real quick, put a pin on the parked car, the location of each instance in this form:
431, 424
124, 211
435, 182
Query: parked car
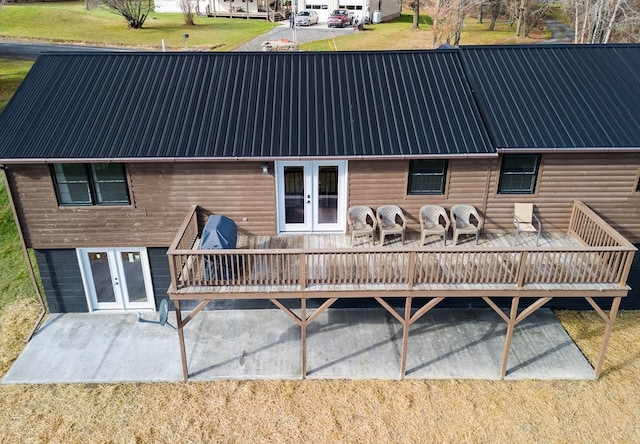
306, 18
339, 18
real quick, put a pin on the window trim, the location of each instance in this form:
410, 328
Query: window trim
445, 178
91, 182
535, 175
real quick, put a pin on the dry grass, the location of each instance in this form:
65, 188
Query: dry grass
605, 410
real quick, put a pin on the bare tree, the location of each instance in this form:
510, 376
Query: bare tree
135, 12
495, 9
415, 7
448, 19
188, 11
605, 21
527, 14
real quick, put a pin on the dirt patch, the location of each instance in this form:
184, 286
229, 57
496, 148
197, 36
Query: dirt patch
605, 410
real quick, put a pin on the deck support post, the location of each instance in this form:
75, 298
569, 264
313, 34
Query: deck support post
183, 350
303, 337
610, 320
511, 324
406, 323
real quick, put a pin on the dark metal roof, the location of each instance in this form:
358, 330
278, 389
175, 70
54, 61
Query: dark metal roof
243, 105
549, 97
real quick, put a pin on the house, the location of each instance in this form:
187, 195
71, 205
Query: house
104, 154
385, 10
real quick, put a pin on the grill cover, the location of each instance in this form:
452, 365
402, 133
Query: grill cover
219, 233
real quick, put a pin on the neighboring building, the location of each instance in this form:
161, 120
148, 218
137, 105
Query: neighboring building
387, 9
105, 153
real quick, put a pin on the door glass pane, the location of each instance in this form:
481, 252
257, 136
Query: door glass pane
102, 277
132, 266
327, 194
294, 194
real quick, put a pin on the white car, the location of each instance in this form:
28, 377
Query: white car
306, 18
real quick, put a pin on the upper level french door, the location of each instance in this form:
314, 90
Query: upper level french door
117, 278
312, 196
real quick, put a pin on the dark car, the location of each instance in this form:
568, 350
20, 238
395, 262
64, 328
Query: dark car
339, 18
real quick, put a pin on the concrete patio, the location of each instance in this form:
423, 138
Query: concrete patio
265, 344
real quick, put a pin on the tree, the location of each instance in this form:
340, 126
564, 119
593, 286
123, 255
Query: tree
605, 21
135, 12
188, 11
448, 19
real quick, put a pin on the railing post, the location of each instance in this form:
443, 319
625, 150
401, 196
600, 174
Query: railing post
627, 268
521, 269
172, 270
302, 260
411, 269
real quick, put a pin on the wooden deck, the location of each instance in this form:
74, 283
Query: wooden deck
590, 260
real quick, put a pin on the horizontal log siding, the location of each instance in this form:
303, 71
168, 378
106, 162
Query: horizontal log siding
375, 183
604, 182
161, 194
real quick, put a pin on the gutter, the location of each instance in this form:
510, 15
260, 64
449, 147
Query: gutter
27, 257
50, 160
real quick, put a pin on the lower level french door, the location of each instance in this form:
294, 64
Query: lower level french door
117, 278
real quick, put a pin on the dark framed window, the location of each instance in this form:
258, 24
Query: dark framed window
518, 174
90, 184
427, 176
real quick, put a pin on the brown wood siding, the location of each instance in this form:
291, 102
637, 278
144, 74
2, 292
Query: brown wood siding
161, 196
604, 182
162, 193
375, 183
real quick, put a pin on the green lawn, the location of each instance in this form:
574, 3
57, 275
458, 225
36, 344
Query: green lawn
15, 283
71, 22
11, 74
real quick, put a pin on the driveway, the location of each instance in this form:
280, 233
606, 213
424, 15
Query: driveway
302, 35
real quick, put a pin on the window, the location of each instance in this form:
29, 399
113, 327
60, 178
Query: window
90, 184
518, 174
427, 176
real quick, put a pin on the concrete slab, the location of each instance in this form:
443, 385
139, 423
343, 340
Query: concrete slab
265, 344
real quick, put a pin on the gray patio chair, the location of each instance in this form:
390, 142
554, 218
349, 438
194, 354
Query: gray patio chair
463, 223
362, 222
524, 220
433, 220
391, 221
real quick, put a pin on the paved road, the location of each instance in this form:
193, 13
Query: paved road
31, 51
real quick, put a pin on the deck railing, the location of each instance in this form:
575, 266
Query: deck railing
604, 258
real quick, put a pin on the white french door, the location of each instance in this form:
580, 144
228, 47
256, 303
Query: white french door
117, 278
311, 196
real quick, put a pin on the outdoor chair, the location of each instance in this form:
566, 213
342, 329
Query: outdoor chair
525, 221
433, 220
463, 223
362, 222
391, 221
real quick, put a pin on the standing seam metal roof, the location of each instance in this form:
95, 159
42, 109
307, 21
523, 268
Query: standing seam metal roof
243, 105
568, 97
